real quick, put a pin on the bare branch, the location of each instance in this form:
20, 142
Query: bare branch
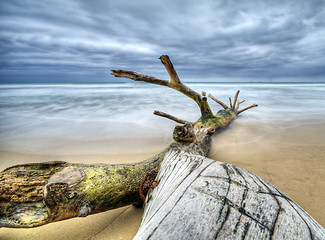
251, 106
237, 106
230, 102
218, 101
139, 77
235, 100
174, 83
241, 102
171, 70
171, 117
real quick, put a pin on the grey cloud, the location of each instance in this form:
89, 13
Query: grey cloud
55, 39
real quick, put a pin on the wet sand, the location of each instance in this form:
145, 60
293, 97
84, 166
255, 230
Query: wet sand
290, 155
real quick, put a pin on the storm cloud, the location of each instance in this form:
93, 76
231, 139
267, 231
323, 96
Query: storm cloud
80, 41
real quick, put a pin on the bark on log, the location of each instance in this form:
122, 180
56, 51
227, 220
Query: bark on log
196, 197
32, 195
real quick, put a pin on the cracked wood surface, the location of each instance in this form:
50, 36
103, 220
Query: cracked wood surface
199, 198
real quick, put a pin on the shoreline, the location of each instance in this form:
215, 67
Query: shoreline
291, 156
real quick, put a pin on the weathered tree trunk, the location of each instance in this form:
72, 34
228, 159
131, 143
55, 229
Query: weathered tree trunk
36, 194
199, 198
194, 197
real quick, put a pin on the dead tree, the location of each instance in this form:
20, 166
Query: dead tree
186, 195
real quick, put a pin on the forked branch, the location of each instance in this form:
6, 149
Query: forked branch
174, 83
233, 105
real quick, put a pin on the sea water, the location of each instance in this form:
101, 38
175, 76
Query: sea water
51, 118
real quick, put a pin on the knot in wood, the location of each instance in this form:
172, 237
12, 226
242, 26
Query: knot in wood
184, 133
211, 131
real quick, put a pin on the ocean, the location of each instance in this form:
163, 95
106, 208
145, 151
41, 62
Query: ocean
59, 118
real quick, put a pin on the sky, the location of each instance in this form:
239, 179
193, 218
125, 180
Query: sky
207, 40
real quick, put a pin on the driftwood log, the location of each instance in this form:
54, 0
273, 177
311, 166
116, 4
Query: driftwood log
185, 194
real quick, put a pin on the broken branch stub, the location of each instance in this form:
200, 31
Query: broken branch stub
184, 133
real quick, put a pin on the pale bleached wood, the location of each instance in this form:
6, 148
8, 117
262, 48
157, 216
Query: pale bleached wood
199, 198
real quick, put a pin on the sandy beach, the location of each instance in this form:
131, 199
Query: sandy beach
107, 82
290, 155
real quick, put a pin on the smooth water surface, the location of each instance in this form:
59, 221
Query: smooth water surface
33, 117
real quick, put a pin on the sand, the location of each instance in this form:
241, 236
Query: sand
290, 155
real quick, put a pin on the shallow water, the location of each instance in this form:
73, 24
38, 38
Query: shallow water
61, 118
